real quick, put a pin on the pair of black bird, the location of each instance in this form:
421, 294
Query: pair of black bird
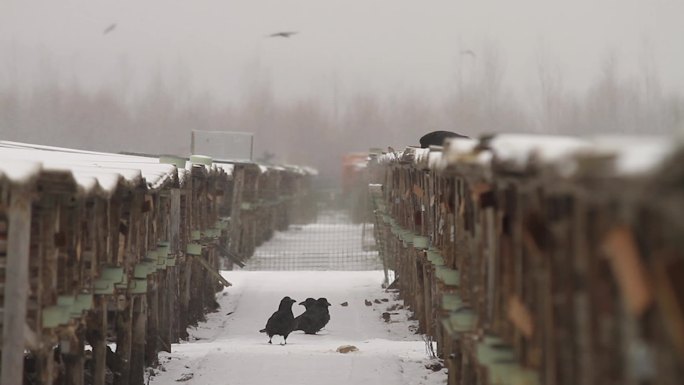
283, 322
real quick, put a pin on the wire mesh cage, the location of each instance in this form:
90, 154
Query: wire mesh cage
331, 242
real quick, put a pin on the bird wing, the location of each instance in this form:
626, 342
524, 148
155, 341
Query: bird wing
283, 34
109, 29
280, 322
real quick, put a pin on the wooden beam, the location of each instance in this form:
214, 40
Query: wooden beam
17, 287
213, 272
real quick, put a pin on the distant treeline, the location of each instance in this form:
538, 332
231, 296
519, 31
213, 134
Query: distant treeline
308, 131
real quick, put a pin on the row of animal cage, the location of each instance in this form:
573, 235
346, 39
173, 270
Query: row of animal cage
540, 260
105, 259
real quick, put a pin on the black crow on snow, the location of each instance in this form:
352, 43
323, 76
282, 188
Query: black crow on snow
315, 317
282, 322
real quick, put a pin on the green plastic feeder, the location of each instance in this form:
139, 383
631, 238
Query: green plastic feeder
174, 160
161, 262
434, 256
171, 261
201, 159
492, 340
103, 286
163, 250
138, 286
449, 277
463, 320
83, 302
489, 354
211, 233
109, 277
451, 302
500, 372
420, 242
123, 284
66, 300
195, 235
407, 237
194, 249
141, 270
53, 316
522, 376
115, 274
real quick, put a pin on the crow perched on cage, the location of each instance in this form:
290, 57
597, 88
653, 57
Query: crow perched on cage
436, 138
282, 322
315, 317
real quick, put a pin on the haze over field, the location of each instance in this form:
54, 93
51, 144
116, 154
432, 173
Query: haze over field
137, 76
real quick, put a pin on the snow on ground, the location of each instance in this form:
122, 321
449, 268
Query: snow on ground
228, 349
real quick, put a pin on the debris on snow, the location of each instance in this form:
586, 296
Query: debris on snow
345, 304
185, 377
347, 349
368, 303
435, 366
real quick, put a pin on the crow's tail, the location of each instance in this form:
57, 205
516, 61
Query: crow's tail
262, 331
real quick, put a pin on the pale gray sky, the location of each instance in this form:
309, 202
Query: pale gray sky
382, 46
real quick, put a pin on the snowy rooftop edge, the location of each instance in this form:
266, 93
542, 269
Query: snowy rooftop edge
632, 155
92, 171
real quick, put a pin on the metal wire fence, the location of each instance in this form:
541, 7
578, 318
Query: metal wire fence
331, 242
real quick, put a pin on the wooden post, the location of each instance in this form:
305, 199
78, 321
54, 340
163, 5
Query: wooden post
123, 343
17, 287
173, 309
137, 361
175, 219
72, 354
152, 320
235, 210
100, 345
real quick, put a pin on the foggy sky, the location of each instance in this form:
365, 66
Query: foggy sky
344, 47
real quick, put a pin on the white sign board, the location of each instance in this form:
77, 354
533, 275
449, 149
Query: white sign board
227, 145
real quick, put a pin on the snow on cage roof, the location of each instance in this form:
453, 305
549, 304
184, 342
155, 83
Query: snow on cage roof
226, 167
91, 170
516, 152
633, 155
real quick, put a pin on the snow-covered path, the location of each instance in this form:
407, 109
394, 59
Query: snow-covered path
228, 349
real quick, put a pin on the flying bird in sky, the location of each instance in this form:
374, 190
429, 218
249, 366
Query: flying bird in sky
109, 29
283, 34
468, 52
